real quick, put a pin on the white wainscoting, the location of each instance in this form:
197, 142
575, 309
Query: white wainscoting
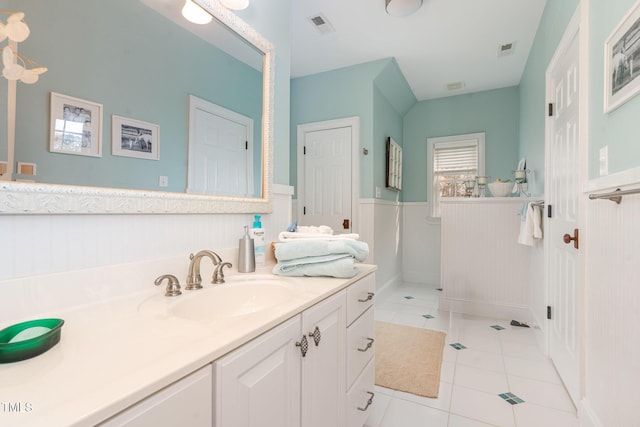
381, 227
612, 304
484, 270
42, 244
420, 245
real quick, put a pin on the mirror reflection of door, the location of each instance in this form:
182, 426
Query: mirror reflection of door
220, 150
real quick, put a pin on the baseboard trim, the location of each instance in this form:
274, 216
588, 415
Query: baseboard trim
477, 308
587, 416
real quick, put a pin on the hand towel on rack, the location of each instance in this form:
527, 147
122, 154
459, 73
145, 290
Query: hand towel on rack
529, 224
318, 247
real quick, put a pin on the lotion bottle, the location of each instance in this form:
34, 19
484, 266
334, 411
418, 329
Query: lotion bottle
257, 233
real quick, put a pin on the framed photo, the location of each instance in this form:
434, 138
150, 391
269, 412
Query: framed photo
76, 126
134, 138
394, 165
622, 61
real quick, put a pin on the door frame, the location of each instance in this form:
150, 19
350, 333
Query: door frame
354, 124
577, 26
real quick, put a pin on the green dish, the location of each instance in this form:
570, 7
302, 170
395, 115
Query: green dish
29, 339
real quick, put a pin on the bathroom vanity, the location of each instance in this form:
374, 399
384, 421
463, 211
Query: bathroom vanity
303, 358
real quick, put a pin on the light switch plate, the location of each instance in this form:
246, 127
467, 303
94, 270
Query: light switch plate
604, 160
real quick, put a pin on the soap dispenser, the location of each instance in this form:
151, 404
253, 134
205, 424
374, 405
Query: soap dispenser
246, 254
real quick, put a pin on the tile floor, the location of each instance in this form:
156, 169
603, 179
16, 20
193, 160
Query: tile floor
494, 362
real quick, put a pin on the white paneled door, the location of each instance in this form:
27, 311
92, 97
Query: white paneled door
325, 185
220, 150
563, 194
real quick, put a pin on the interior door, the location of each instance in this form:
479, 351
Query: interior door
563, 194
220, 152
327, 179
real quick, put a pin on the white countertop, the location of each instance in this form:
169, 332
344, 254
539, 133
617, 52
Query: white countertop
111, 354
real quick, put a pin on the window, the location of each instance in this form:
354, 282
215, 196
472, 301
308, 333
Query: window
451, 161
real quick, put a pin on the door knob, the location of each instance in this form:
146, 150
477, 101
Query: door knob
345, 224
567, 238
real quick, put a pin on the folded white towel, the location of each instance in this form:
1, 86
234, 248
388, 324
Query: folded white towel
530, 224
289, 236
338, 265
319, 247
322, 229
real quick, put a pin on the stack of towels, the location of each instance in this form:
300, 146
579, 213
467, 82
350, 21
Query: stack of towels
316, 251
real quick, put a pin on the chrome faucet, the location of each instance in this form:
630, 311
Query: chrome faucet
194, 280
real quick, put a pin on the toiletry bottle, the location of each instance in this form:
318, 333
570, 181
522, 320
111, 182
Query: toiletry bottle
246, 253
257, 232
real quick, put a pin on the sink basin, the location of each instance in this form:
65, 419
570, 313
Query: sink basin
238, 297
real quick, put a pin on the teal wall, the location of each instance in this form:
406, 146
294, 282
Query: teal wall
345, 92
618, 128
99, 58
555, 18
494, 112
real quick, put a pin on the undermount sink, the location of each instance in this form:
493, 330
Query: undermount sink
238, 297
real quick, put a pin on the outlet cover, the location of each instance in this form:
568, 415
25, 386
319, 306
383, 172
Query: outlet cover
163, 181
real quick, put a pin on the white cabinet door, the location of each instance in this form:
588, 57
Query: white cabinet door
258, 385
187, 402
323, 367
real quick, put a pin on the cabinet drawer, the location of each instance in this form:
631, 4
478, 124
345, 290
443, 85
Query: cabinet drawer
360, 297
360, 345
358, 398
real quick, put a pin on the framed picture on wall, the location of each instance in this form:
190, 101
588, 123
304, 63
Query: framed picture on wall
76, 126
394, 165
622, 61
134, 138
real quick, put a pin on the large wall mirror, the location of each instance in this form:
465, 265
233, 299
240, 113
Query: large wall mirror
142, 62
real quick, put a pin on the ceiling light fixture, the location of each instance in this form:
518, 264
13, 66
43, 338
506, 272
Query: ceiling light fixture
235, 4
194, 13
402, 7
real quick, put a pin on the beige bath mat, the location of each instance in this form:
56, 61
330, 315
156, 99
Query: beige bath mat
408, 359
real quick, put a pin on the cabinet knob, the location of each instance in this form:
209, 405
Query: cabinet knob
316, 335
369, 297
369, 345
304, 345
369, 402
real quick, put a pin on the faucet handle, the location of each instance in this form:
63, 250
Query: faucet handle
173, 285
218, 274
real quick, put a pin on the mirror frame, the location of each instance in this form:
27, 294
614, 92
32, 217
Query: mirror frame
39, 198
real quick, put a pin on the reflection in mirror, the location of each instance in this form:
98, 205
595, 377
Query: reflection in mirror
129, 57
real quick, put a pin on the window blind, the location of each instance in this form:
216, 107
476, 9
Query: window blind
458, 158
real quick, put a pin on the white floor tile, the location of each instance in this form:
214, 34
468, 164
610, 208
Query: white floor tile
447, 372
481, 406
494, 362
542, 370
481, 359
531, 415
442, 402
402, 413
541, 393
458, 421
481, 379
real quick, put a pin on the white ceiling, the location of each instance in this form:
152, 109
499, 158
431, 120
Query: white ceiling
446, 41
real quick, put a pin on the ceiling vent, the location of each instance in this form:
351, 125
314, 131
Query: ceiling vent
506, 49
321, 24
455, 86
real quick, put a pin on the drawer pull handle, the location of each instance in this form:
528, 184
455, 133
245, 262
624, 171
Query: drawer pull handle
369, 297
369, 345
304, 345
369, 402
316, 335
